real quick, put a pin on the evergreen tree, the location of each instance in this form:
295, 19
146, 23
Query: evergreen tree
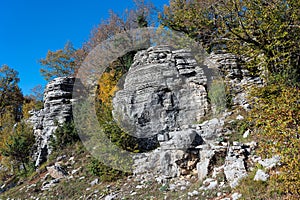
11, 97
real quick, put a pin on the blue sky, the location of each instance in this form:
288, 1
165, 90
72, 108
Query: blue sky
29, 28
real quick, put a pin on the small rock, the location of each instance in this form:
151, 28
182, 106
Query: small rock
139, 187
31, 186
94, 182
182, 188
75, 170
60, 158
236, 143
209, 184
172, 187
270, 162
47, 185
111, 197
239, 117
246, 134
261, 176
133, 193
57, 171
236, 196
195, 193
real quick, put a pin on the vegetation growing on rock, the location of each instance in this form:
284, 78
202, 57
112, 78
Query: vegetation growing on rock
263, 34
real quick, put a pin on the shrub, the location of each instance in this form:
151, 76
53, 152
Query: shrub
65, 134
276, 119
104, 172
17, 144
218, 96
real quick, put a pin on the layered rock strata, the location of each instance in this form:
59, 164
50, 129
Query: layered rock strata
57, 110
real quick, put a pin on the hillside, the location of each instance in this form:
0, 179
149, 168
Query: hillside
206, 106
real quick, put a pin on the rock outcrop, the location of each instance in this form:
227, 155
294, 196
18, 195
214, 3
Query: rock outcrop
165, 94
164, 90
231, 68
57, 110
164, 97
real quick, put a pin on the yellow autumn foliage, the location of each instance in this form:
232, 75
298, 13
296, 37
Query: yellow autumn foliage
108, 86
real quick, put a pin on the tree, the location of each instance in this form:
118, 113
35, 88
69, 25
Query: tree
276, 118
196, 18
59, 63
37, 92
33, 101
141, 16
266, 33
17, 143
11, 97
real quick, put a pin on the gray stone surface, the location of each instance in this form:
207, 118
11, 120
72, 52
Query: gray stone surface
261, 176
57, 108
203, 165
235, 75
56, 171
269, 163
164, 90
209, 184
234, 168
164, 94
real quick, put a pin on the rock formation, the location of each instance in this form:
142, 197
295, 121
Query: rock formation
164, 90
57, 110
235, 76
165, 95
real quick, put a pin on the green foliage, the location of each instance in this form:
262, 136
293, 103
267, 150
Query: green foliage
276, 119
29, 104
11, 97
195, 18
267, 33
115, 134
59, 63
64, 135
107, 86
257, 189
217, 96
18, 143
104, 172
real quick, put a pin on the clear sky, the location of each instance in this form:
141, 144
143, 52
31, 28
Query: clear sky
29, 28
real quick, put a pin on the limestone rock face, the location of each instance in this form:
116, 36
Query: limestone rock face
57, 108
164, 90
235, 75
